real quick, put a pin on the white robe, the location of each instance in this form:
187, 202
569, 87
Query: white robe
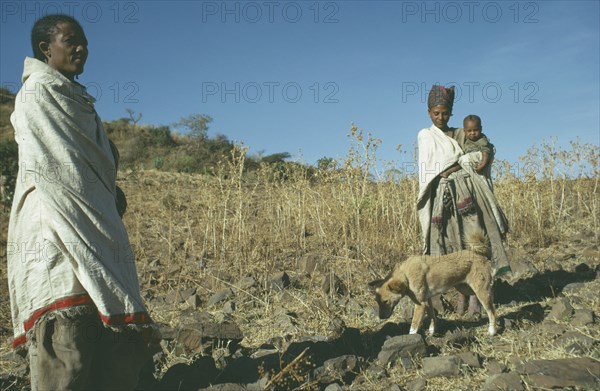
437, 152
67, 247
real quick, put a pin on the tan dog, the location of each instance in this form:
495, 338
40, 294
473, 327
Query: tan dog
423, 276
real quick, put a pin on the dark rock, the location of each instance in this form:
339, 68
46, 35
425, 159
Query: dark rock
220, 296
224, 387
246, 283
259, 385
417, 385
573, 287
13, 382
279, 281
581, 372
191, 316
154, 264
334, 387
520, 265
375, 372
285, 321
470, 359
200, 337
173, 269
229, 307
184, 377
276, 342
180, 296
582, 317
13, 357
591, 253
215, 278
445, 366
352, 306
343, 368
551, 328
406, 346
503, 381
495, 367
509, 324
193, 301
336, 328
561, 309
506, 346
565, 257
575, 342
332, 284
167, 333
264, 352
459, 338
308, 263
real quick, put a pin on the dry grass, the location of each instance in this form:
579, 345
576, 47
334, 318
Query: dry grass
210, 232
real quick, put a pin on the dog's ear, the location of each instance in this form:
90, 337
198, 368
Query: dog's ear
376, 284
397, 287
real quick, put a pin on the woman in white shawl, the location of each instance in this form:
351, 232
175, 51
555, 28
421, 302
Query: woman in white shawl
75, 297
452, 197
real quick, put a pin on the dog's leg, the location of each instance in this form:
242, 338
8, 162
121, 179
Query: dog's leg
486, 299
431, 312
417, 318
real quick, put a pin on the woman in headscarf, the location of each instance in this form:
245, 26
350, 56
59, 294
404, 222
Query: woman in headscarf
74, 291
452, 198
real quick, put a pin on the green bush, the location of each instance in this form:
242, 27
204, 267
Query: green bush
161, 136
9, 167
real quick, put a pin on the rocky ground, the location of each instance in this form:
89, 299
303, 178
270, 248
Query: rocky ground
232, 340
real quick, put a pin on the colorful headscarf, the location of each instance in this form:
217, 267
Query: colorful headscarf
441, 96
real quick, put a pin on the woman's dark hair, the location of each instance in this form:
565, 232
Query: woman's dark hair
44, 30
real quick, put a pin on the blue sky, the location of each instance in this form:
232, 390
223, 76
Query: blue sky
294, 75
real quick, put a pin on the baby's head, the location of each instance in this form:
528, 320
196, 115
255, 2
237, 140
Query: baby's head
472, 127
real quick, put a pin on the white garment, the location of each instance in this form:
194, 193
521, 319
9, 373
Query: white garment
67, 246
437, 152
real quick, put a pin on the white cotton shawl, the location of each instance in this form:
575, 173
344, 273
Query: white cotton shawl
67, 246
437, 152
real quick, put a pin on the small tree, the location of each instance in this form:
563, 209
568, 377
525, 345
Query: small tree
196, 125
134, 118
326, 163
276, 158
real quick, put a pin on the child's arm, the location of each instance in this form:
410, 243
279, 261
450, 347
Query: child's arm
485, 157
453, 168
486, 148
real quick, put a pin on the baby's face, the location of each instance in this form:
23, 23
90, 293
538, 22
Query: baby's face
472, 130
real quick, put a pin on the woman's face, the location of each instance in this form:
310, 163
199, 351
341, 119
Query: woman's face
440, 115
67, 51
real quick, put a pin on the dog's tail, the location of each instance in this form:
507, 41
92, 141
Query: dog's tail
476, 241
